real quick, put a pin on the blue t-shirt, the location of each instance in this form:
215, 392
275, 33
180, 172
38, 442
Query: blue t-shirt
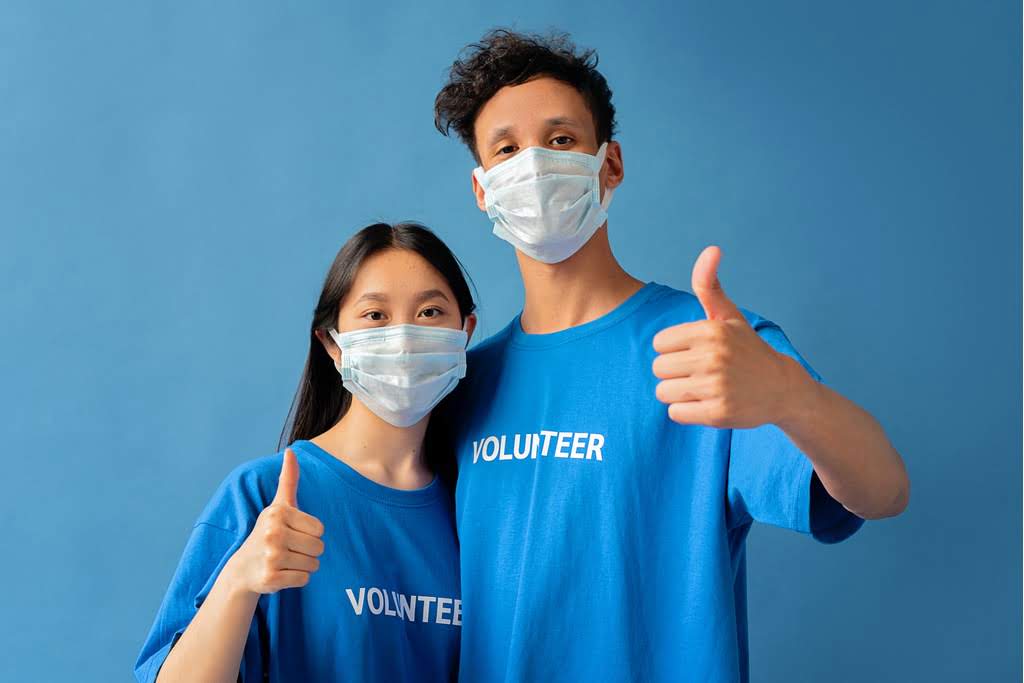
600, 540
383, 606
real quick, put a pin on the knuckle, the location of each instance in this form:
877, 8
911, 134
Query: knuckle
267, 577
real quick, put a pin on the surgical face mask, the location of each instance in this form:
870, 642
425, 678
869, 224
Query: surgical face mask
401, 372
545, 202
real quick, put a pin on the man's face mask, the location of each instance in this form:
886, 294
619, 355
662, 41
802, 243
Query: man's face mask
401, 372
544, 202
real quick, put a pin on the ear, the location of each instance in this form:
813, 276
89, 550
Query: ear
478, 190
470, 327
613, 172
329, 346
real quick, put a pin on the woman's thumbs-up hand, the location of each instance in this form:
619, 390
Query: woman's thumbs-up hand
283, 547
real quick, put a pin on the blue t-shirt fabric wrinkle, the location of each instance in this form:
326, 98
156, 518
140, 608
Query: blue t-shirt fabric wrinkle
384, 604
599, 539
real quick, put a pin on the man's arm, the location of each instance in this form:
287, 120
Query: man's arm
854, 459
719, 372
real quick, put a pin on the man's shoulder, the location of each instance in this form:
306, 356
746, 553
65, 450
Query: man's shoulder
684, 306
493, 345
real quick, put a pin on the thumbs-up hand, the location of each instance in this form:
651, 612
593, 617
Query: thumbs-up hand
718, 372
283, 547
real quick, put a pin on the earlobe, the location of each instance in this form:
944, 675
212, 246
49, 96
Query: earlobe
329, 346
478, 192
616, 172
470, 327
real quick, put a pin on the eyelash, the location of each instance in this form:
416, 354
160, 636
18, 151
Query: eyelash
568, 139
369, 314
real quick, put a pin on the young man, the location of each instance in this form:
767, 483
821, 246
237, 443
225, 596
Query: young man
602, 533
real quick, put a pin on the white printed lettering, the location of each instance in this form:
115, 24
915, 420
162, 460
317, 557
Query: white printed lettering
427, 600
563, 444
380, 600
387, 604
444, 607
527, 439
493, 452
407, 609
547, 438
504, 454
578, 439
357, 607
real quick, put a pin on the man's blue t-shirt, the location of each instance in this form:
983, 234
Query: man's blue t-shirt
601, 541
383, 606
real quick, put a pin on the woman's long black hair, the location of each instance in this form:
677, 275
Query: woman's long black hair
321, 400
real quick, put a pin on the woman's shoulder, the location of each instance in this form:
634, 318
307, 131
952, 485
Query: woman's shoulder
243, 493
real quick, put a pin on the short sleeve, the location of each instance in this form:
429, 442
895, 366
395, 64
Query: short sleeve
772, 481
207, 550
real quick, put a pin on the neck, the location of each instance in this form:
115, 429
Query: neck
587, 285
380, 451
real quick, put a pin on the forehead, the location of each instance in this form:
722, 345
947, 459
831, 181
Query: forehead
397, 272
529, 105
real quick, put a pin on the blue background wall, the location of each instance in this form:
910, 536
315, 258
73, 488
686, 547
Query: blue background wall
175, 179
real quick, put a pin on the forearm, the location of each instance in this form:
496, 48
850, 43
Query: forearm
850, 452
210, 649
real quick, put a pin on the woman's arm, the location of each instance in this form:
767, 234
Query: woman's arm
280, 552
211, 647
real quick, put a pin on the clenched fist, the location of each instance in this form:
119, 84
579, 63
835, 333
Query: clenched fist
282, 550
718, 372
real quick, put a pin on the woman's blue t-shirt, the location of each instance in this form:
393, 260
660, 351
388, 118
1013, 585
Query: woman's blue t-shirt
384, 605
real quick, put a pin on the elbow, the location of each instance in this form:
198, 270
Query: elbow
895, 505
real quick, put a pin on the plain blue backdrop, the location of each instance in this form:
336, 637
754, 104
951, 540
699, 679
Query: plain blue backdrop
175, 179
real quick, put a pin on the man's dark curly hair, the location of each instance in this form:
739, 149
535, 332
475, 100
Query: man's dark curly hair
504, 57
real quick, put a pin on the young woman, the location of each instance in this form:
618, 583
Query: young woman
350, 570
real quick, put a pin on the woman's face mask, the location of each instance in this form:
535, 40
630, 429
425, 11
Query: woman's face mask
401, 372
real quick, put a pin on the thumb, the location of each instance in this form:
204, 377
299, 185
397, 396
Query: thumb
288, 482
707, 288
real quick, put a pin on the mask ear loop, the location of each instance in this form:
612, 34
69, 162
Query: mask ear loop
606, 200
343, 368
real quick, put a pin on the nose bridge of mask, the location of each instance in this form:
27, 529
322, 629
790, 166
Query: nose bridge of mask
404, 340
534, 162
524, 171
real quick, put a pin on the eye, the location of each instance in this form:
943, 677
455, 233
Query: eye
562, 140
432, 312
375, 316
507, 149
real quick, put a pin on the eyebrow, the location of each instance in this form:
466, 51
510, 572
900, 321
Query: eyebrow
562, 121
499, 133
425, 295
428, 294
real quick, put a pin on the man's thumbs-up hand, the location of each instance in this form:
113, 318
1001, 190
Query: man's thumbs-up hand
283, 547
718, 372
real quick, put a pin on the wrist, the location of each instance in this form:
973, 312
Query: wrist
799, 396
232, 580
